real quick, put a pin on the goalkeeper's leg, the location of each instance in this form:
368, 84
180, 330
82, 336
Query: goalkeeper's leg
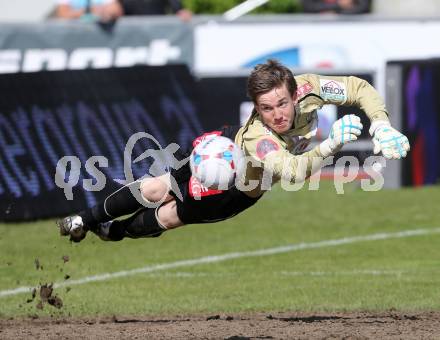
148, 222
122, 202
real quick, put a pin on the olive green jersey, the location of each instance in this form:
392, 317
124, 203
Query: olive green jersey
282, 155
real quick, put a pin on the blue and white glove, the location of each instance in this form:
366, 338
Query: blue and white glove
344, 130
392, 143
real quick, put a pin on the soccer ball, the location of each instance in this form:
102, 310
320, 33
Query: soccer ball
216, 162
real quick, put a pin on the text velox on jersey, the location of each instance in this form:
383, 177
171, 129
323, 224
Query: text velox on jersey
332, 90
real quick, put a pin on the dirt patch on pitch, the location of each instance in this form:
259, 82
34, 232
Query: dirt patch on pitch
391, 325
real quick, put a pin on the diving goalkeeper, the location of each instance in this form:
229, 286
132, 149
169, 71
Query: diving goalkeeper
283, 121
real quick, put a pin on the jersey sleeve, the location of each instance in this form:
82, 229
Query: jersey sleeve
350, 91
279, 162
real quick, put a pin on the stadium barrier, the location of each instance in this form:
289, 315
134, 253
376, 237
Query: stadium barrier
46, 116
211, 44
62, 45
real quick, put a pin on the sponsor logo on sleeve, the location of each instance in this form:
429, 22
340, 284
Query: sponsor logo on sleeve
333, 90
265, 146
304, 90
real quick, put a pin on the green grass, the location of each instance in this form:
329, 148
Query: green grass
401, 274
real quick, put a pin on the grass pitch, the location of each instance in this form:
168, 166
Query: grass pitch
401, 274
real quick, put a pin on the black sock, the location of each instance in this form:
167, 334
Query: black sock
142, 224
119, 203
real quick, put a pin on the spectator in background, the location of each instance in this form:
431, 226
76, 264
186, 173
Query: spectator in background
337, 6
102, 10
156, 7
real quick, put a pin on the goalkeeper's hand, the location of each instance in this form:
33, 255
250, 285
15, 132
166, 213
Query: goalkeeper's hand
344, 130
392, 143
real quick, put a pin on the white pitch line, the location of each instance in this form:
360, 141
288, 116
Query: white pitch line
373, 272
230, 256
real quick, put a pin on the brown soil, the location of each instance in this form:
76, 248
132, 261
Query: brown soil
293, 325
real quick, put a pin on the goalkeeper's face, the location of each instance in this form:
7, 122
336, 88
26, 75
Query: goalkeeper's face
277, 108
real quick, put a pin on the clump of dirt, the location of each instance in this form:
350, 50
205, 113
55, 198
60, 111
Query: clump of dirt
46, 291
34, 294
38, 265
55, 301
46, 296
218, 317
213, 317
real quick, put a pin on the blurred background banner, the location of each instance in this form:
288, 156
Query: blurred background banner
413, 88
313, 43
58, 45
212, 45
49, 115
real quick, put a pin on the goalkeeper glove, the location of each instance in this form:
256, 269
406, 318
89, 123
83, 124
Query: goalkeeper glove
343, 131
391, 142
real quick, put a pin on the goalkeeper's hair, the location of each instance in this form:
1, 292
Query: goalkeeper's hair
265, 77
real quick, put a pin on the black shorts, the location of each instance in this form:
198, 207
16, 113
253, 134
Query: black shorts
212, 206
207, 206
